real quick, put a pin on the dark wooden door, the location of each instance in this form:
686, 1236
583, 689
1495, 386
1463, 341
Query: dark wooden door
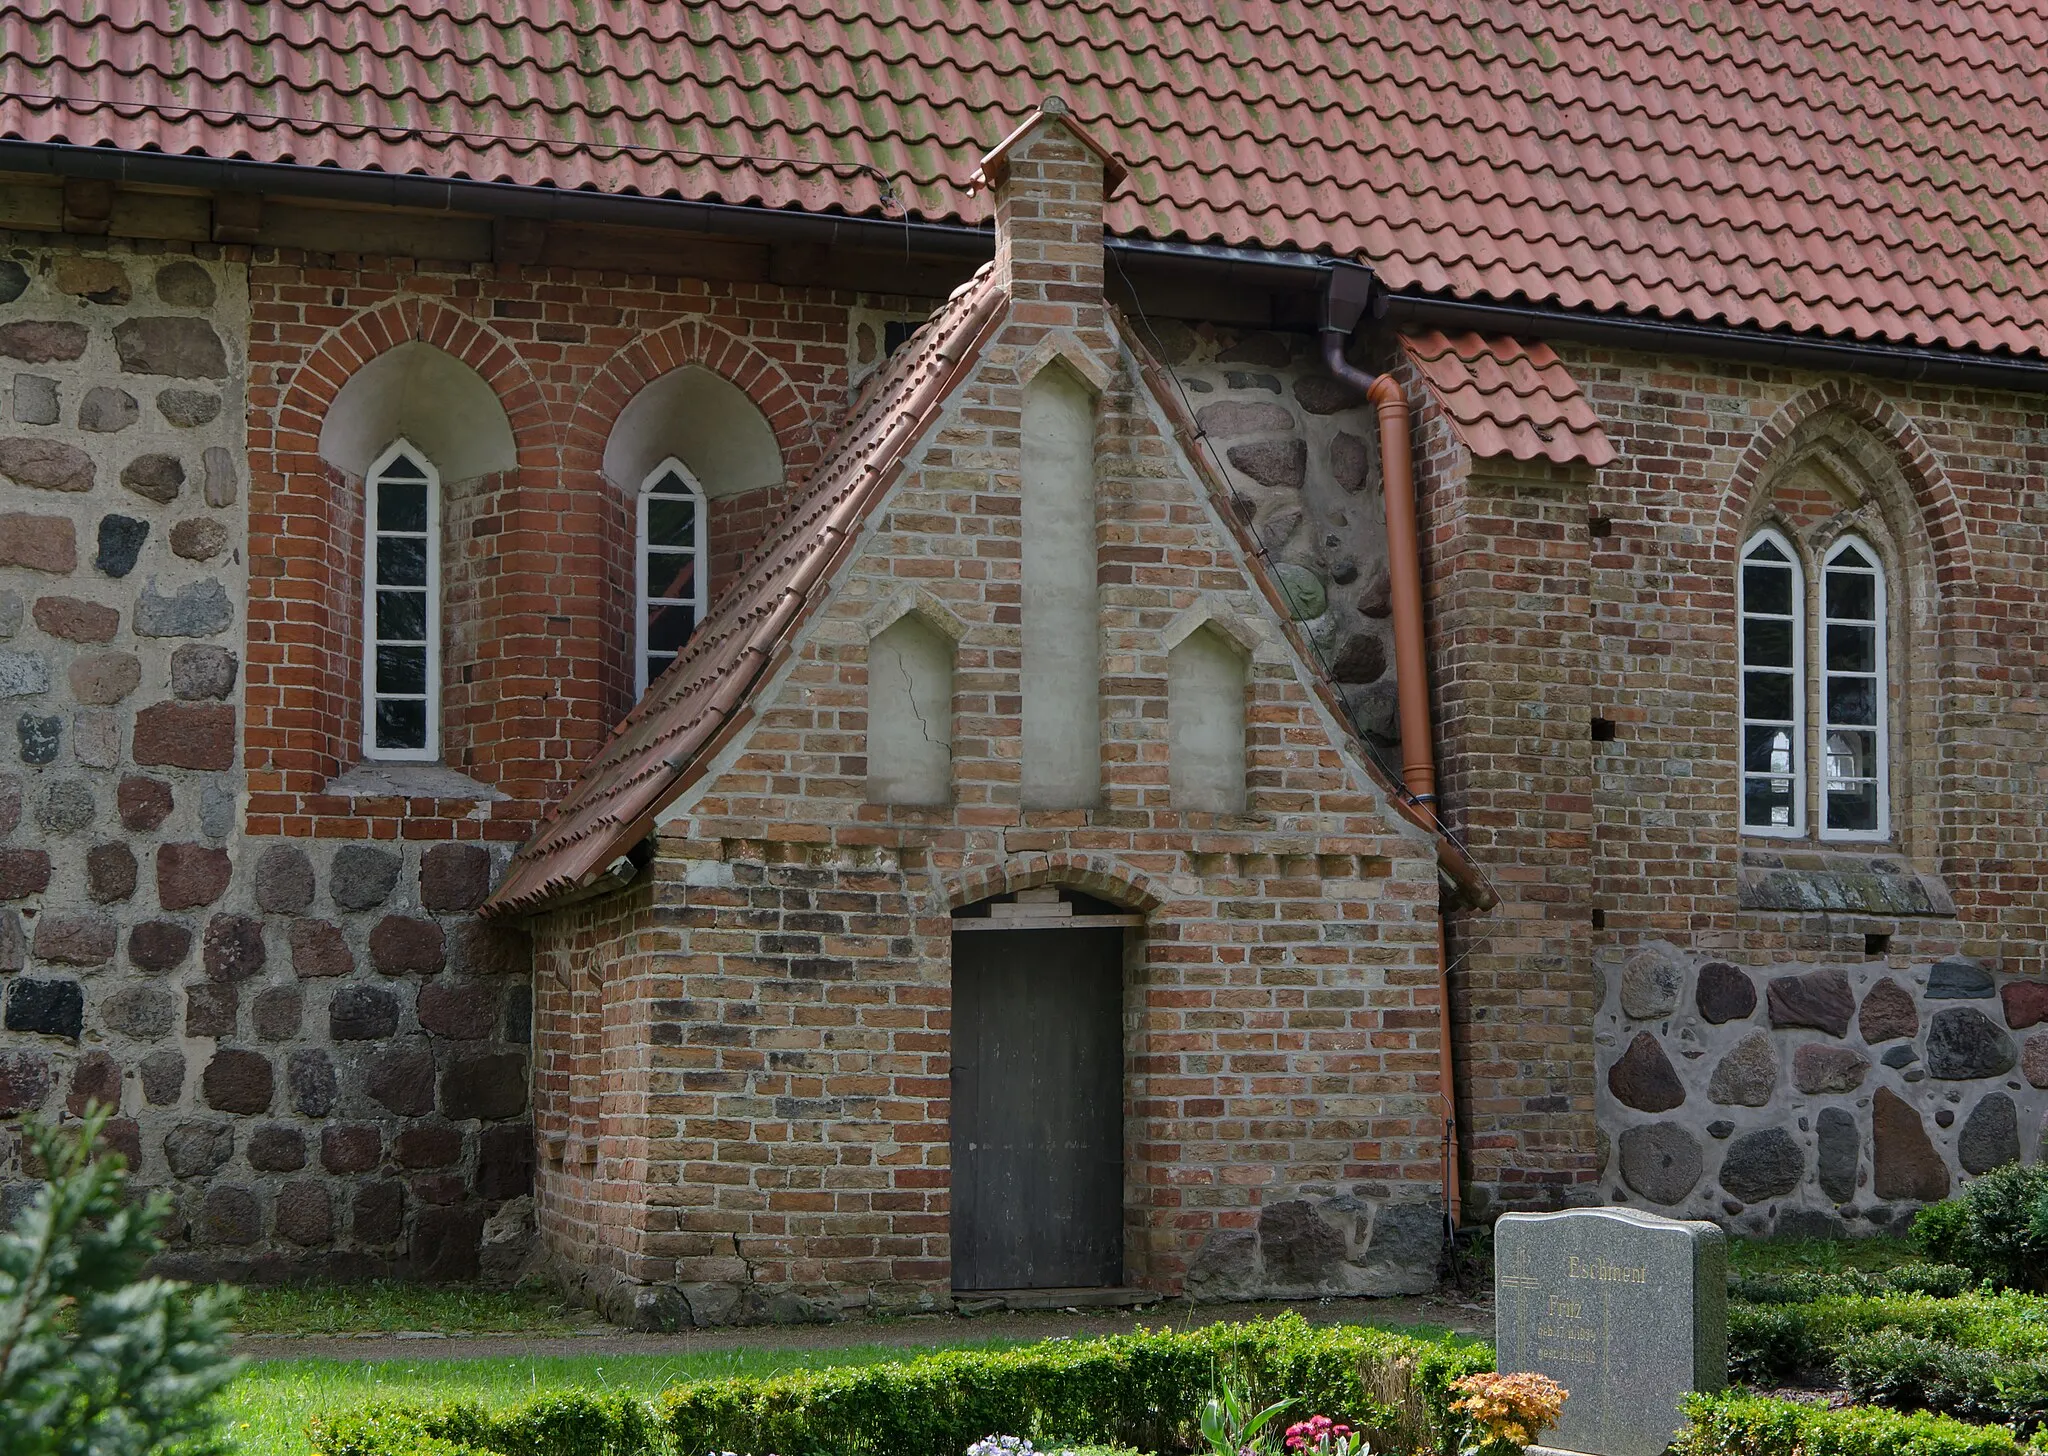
1038, 1076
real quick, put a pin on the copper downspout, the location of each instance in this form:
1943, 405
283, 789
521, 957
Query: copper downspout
1345, 300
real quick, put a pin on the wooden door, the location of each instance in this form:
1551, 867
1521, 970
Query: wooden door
1038, 1109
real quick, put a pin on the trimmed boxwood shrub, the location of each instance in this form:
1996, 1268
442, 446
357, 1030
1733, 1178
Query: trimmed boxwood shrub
1772, 1342
1749, 1425
571, 1423
1803, 1286
1140, 1390
1970, 1382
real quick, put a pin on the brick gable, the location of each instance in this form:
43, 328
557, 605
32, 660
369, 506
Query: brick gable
772, 1026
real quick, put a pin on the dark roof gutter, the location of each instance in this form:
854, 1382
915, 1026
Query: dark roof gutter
1719, 341
1278, 270
1287, 270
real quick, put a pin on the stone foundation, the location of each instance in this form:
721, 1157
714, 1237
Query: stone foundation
1811, 1099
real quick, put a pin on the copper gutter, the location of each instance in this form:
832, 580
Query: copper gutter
1346, 298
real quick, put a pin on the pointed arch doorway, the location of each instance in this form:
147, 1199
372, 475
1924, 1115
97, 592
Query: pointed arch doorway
1038, 1092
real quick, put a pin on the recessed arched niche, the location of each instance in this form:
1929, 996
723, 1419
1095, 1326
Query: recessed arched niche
427, 396
1061, 720
910, 714
1206, 722
705, 421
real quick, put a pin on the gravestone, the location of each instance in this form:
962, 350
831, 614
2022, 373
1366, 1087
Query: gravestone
1626, 1310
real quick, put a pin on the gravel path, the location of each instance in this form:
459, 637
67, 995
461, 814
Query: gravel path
1459, 1314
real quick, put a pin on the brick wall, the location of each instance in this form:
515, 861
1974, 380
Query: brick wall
311, 1040
1505, 554
1740, 1068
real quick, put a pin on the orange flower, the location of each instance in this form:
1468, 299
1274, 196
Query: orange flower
1511, 1409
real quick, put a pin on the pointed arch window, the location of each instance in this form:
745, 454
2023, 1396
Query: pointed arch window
1853, 754
1847, 696
1771, 602
672, 586
402, 608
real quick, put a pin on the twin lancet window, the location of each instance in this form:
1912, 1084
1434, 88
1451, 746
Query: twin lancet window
1846, 697
402, 598
911, 661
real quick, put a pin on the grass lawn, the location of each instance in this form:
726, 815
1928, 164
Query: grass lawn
267, 1408
265, 1411
383, 1308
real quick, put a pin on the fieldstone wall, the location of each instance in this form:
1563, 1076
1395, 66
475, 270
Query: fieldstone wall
1812, 1099
1302, 457
312, 1044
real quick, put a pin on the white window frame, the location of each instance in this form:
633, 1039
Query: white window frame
1800, 786
702, 578
1881, 694
373, 483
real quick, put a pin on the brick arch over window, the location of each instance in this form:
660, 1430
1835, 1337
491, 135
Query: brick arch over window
304, 661
764, 380
1914, 523
1097, 875
1934, 503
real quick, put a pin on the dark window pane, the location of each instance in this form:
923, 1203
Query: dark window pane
1852, 649
657, 664
1853, 554
1851, 755
401, 669
1852, 596
668, 628
1767, 803
669, 484
401, 616
1767, 695
1767, 750
401, 507
670, 575
401, 723
402, 467
1766, 642
1767, 589
1852, 700
401, 561
1765, 550
671, 522
1853, 806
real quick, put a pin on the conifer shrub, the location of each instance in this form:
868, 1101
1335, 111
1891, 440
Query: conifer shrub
95, 1359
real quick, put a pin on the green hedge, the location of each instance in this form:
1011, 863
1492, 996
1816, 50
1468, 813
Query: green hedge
1803, 1286
1772, 1342
573, 1423
1141, 1390
1748, 1425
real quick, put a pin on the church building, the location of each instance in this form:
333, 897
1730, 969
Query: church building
787, 663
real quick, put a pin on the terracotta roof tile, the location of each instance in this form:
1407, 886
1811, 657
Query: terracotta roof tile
1862, 168
1507, 397
707, 691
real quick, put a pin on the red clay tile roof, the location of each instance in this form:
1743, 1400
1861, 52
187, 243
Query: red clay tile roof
707, 694
1505, 397
1860, 167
